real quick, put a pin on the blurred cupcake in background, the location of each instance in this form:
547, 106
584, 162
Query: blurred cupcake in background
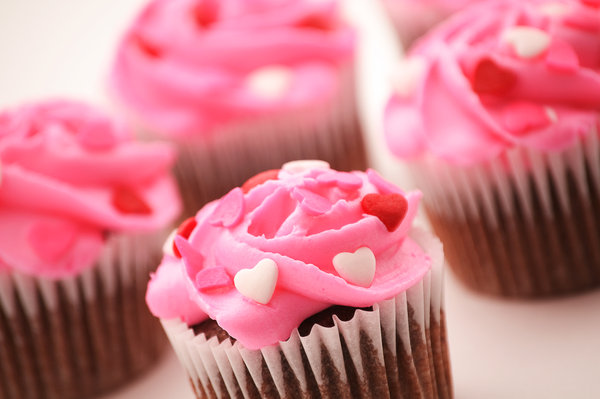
413, 18
241, 87
309, 283
497, 115
83, 214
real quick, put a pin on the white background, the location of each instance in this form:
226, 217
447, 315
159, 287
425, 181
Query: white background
499, 349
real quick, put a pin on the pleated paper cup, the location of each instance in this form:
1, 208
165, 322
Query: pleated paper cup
524, 225
396, 348
208, 167
80, 336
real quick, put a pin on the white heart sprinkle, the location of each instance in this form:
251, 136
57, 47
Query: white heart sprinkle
295, 167
528, 42
554, 9
259, 282
270, 82
357, 268
168, 245
407, 76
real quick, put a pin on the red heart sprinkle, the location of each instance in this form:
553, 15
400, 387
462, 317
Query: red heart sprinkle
389, 208
184, 230
490, 78
206, 13
259, 179
212, 279
128, 201
315, 22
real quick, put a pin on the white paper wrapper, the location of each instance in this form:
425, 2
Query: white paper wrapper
398, 347
79, 336
208, 168
525, 224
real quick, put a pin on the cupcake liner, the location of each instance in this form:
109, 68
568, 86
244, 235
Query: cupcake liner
523, 225
80, 336
208, 168
395, 349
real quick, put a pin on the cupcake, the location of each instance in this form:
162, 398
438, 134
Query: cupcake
241, 87
413, 18
498, 119
83, 214
306, 283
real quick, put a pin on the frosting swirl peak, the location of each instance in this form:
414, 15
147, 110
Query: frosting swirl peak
186, 66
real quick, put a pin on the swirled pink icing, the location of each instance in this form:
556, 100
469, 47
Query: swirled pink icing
69, 175
497, 76
299, 220
187, 66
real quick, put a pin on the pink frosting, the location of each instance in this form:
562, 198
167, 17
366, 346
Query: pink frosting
301, 221
183, 65
500, 75
68, 175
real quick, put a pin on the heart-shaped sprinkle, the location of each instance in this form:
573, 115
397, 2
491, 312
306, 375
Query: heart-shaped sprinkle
185, 230
346, 181
52, 240
311, 203
259, 282
491, 78
97, 135
127, 201
591, 3
305, 165
357, 268
523, 117
562, 57
528, 42
389, 208
315, 21
259, 179
408, 75
230, 209
192, 259
169, 245
270, 83
214, 278
205, 13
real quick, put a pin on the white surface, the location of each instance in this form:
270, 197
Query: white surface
499, 349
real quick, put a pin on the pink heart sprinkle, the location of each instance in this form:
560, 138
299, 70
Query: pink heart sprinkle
52, 240
346, 181
192, 259
212, 279
311, 203
230, 209
562, 57
522, 117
